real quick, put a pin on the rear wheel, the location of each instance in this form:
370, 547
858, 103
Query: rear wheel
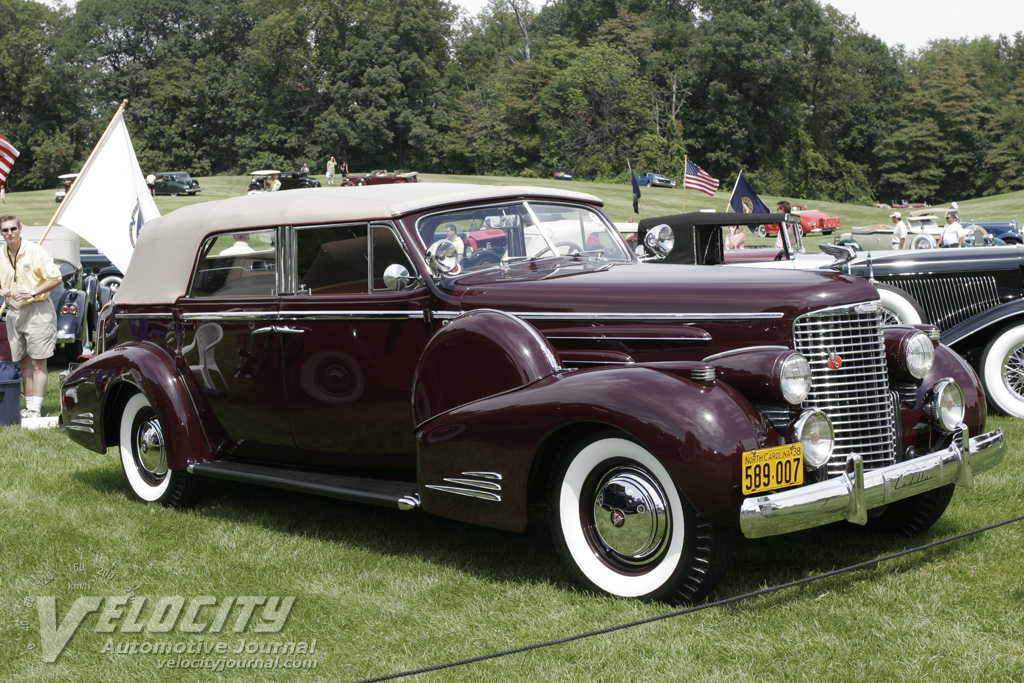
624, 529
762, 231
922, 241
144, 459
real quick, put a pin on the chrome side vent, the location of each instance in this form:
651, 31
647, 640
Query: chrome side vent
482, 485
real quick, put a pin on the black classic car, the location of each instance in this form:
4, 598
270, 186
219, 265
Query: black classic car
261, 181
330, 341
174, 183
974, 296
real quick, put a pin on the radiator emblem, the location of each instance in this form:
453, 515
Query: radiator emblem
834, 361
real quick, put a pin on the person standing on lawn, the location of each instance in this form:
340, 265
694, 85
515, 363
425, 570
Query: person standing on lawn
27, 274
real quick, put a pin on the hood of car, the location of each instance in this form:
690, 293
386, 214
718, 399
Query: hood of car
581, 286
925, 261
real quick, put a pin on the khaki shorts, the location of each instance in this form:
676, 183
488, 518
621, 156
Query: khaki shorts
32, 330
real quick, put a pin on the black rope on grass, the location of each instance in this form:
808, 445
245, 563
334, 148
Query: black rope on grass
690, 610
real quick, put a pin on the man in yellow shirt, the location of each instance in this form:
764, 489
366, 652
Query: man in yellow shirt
27, 274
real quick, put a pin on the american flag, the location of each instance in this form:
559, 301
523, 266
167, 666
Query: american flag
697, 178
7, 156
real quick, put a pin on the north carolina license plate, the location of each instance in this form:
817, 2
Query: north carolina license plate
772, 468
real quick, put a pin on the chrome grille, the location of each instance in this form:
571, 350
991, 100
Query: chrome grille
949, 301
854, 395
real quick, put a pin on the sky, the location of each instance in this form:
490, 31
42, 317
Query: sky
911, 23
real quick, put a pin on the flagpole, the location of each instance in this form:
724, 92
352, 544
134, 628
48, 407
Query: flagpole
733, 193
639, 203
686, 158
81, 173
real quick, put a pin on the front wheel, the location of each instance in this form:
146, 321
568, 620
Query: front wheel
144, 459
914, 515
898, 306
623, 528
762, 231
1002, 371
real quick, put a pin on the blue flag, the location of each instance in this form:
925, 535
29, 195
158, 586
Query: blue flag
636, 194
744, 200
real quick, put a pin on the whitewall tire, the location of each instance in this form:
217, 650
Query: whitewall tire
900, 308
623, 528
922, 241
144, 458
1002, 371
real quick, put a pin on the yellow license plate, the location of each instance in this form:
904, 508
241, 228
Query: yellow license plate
772, 468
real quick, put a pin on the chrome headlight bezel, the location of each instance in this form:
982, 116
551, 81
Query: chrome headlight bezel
948, 405
794, 378
815, 432
660, 240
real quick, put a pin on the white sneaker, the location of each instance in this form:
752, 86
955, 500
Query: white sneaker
25, 412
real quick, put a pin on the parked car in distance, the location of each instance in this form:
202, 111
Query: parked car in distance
563, 174
816, 221
380, 177
259, 181
652, 410
174, 183
655, 180
65, 184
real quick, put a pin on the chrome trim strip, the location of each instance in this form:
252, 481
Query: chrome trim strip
481, 485
349, 315
844, 496
143, 316
76, 428
619, 316
592, 338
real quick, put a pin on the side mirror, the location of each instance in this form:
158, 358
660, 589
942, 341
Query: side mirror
397, 278
442, 257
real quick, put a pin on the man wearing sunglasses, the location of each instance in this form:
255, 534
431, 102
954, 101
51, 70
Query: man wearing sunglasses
27, 274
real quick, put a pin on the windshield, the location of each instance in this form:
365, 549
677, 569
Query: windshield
524, 231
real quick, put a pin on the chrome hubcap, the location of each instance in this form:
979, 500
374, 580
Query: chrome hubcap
149, 444
1013, 371
631, 515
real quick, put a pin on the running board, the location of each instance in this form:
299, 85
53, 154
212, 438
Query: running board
402, 495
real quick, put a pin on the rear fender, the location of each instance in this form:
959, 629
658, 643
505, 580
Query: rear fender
476, 462
69, 325
94, 394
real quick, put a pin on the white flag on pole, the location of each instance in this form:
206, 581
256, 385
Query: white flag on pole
110, 202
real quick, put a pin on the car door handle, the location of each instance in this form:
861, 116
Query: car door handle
281, 329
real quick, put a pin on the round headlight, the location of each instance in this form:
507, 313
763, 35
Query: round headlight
660, 240
795, 379
920, 355
947, 404
814, 430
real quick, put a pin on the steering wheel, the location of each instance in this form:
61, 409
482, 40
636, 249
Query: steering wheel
572, 246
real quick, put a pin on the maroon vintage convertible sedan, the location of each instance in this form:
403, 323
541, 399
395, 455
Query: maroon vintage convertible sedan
328, 341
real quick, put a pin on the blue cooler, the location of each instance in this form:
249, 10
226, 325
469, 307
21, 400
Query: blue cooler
10, 393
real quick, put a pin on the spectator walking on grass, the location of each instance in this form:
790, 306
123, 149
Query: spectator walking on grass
27, 274
899, 230
332, 165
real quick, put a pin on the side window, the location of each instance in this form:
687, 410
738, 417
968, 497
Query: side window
386, 251
237, 264
333, 260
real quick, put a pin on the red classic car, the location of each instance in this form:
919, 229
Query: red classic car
379, 178
652, 409
811, 220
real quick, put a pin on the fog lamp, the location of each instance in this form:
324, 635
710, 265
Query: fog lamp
947, 409
814, 430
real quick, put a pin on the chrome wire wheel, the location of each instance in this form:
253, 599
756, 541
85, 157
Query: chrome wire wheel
1002, 371
1013, 371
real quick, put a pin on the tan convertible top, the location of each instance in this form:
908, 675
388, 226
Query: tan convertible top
162, 263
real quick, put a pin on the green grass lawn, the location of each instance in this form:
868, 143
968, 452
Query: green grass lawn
384, 591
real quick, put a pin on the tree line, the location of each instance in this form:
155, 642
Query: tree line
793, 93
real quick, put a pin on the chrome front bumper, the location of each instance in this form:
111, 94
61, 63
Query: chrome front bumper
850, 496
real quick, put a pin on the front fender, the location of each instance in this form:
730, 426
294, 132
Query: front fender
476, 462
976, 331
69, 325
93, 395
